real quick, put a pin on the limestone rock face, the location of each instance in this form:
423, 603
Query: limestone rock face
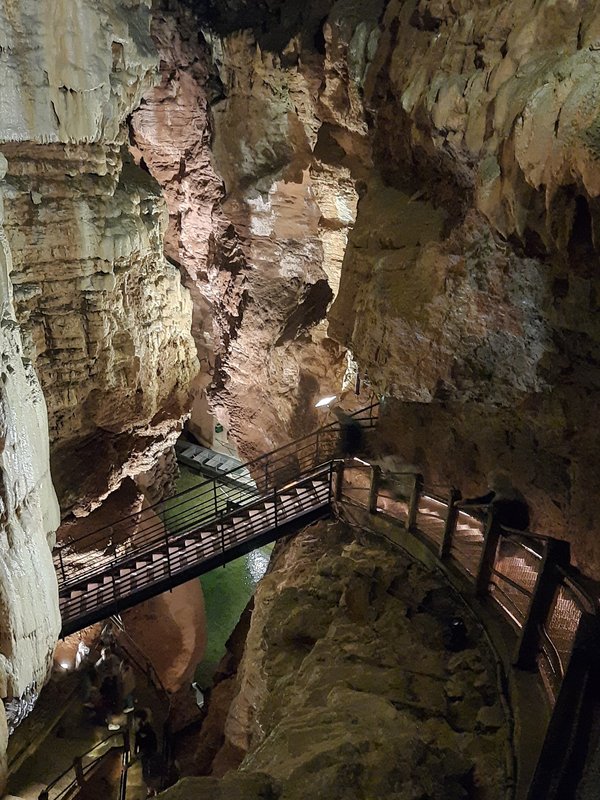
106, 318
258, 163
29, 515
91, 313
468, 288
346, 686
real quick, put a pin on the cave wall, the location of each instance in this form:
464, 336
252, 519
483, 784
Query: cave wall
29, 515
105, 319
258, 151
97, 358
469, 288
345, 684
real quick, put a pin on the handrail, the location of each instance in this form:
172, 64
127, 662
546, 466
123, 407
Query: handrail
81, 770
149, 669
167, 538
152, 674
291, 447
96, 596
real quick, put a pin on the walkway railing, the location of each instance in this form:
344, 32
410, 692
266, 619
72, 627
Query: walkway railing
528, 575
136, 655
147, 553
76, 776
206, 502
552, 607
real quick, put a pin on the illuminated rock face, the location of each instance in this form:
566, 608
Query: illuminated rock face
105, 319
29, 619
261, 195
469, 286
92, 314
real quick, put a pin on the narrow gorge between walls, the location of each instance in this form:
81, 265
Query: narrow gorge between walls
215, 214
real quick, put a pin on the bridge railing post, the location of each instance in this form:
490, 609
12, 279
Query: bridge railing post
492, 534
557, 554
450, 525
413, 507
126, 745
316, 462
114, 584
78, 767
168, 554
374, 488
563, 760
215, 498
62, 566
275, 506
339, 480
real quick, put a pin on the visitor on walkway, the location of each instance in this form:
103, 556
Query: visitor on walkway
127, 685
107, 636
146, 749
504, 502
107, 665
107, 668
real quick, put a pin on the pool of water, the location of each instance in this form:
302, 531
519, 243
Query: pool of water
227, 589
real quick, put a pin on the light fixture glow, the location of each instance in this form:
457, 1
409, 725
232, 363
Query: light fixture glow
325, 401
65, 664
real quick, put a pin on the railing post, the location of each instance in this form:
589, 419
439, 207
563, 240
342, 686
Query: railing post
557, 554
126, 745
78, 767
62, 566
222, 535
114, 584
566, 757
374, 488
215, 498
266, 474
275, 505
492, 534
451, 520
167, 549
317, 450
413, 507
330, 488
339, 481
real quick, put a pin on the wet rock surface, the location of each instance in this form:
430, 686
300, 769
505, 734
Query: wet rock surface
350, 684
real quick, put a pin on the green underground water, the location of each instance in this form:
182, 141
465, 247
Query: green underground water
227, 589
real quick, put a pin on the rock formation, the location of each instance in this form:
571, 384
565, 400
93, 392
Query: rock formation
106, 321
29, 515
346, 687
91, 310
468, 288
261, 197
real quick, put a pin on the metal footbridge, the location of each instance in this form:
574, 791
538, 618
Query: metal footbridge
145, 554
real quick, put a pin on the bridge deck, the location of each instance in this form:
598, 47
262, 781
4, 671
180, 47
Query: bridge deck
113, 585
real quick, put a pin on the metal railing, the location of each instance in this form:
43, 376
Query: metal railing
157, 565
84, 765
202, 504
552, 607
527, 575
137, 656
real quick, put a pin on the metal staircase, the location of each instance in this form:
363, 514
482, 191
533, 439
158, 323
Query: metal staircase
145, 554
